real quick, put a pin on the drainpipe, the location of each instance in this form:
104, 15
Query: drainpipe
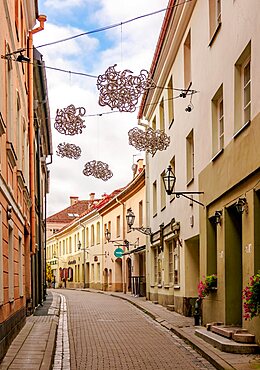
41, 19
124, 257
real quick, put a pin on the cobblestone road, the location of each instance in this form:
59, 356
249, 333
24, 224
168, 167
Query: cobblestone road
109, 333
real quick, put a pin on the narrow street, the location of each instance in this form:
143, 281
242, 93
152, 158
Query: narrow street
109, 333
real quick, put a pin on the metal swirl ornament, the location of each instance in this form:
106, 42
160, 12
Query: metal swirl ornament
97, 169
149, 140
122, 90
68, 121
68, 150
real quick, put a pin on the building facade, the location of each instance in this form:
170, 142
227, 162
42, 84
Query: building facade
22, 151
81, 255
206, 60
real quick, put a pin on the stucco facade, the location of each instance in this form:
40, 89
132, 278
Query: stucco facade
214, 134
25, 143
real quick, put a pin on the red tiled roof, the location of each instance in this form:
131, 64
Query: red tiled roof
76, 209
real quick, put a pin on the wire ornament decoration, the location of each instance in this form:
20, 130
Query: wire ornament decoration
68, 121
122, 90
68, 150
149, 140
97, 169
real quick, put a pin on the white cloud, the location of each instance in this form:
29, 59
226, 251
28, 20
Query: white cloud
61, 4
105, 137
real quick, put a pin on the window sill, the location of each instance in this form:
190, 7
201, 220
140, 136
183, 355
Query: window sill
167, 286
241, 129
154, 215
217, 155
172, 199
163, 208
214, 34
176, 287
11, 300
152, 286
159, 286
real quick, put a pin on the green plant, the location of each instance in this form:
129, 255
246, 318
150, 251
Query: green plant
251, 297
207, 285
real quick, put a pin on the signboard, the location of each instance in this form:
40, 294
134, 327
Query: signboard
118, 252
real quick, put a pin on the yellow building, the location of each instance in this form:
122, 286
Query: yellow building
82, 254
206, 67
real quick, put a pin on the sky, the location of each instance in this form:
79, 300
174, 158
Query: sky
105, 138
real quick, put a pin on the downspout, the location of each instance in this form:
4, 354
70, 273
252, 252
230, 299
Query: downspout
41, 19
124, 258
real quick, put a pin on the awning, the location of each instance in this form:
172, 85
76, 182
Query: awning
135, 250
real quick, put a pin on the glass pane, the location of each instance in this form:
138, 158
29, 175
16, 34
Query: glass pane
247, 114
247, 95
246, 73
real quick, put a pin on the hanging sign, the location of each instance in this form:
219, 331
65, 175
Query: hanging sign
118, 252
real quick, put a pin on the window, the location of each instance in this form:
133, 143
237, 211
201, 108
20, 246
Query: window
140, 214
172, 164
16, 15
75, 243
70, 250
159, 271
20, 265
170, 102
118, 226
19, 131
154, 123
154, 198
87, 237
176, 264
9, 92
163, 192
105, 228
10, 261
155, 264
92, 272
98, 271
63, 247
187, 61
217, 121
190, 157
98, 232
214, 17
243, 89
161, 109
171, 265
1, 259
92, 237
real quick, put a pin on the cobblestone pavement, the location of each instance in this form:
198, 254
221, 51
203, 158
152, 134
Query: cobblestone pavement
107, 333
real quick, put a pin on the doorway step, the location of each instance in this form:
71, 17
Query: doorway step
228, 338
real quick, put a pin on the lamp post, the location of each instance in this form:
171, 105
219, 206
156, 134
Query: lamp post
169, 180
84, 262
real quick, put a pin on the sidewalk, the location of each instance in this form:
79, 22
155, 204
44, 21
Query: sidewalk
33, 347
184, 328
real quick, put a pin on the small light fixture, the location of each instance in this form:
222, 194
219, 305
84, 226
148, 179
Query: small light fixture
108, 235
22, 58
9, 212
241, 205
169, 180
79, 245
217, 217
130, 218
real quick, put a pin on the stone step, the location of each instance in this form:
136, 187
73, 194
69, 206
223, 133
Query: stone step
226, 345
225, 331
170, 307
243, 337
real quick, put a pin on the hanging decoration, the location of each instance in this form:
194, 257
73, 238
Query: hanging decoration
97, 169
68, 150
149, 140
68, 121
122, 90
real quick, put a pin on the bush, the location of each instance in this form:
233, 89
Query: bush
251, 297
206, 286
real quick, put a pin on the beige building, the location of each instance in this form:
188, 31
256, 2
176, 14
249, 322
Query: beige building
82, 255
206, 60
25, 144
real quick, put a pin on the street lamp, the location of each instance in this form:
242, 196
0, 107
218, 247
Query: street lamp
84, 261
241, 205
169, 180
130, 218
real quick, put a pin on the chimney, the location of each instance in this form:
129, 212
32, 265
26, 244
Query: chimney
140, 164
103, 196
92, 197
73, 200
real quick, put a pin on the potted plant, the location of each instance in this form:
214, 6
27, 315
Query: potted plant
251, 297
207, 285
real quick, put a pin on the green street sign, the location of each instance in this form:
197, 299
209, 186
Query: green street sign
118, 252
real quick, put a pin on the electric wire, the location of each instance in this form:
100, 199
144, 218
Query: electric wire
105, 28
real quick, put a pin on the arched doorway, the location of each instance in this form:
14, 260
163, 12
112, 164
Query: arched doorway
105, 279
